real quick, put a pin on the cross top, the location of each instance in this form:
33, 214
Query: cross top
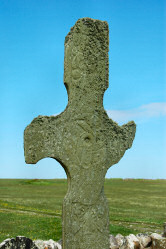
86, 57
82, 138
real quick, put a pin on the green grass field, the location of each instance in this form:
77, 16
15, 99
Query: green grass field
32, 208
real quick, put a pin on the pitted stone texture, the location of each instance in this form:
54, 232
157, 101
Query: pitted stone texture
120, 239
20, 242
156, 236
131, 242
145, 240
82, 138
159, 243
113, 242
50, 244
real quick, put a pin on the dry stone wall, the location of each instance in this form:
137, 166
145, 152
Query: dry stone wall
139, 241
20, 242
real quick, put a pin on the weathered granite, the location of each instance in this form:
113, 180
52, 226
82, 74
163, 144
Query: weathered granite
156, 236
113, 242
131, 242
159, 243
82, 138
145, 240
140, 241
50, 244
120, 239
20, 242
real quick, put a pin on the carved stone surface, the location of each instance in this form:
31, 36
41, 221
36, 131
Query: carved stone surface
82, 138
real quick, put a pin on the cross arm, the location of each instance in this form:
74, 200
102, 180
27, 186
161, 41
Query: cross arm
41, 139
120, 139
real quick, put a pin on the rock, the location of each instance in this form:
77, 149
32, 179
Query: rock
20, 242
8, 243
131, 242
58, 246
156, 236
60, 242
120, 239
23, 242
113, 242
140, 241
39, 244
145, 240
50, 244
159, 243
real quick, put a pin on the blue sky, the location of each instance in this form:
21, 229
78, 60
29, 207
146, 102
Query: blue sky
32, 34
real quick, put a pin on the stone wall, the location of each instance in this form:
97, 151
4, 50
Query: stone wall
139, 241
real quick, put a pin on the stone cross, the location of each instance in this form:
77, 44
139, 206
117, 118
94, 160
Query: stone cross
82, 138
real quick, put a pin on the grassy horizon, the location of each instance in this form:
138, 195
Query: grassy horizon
33, 207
